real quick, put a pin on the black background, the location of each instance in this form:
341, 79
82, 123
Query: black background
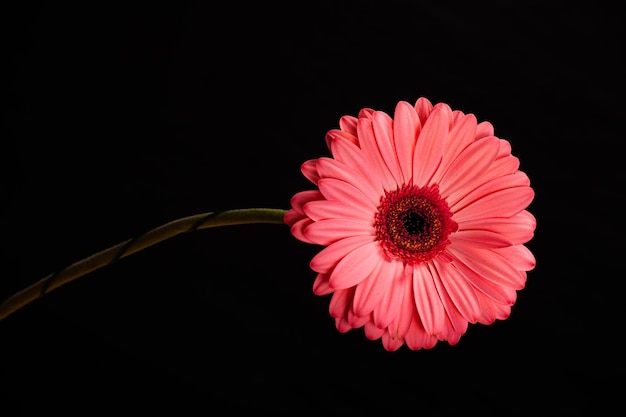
119, 117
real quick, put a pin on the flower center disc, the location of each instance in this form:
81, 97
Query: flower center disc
413, 223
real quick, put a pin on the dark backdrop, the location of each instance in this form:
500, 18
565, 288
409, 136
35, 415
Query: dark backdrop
119, 117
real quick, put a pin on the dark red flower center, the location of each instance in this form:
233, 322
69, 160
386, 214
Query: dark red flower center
414, 223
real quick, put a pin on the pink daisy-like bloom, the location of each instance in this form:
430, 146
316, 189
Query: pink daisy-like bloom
422, 218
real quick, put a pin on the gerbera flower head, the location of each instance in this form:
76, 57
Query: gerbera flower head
422, 222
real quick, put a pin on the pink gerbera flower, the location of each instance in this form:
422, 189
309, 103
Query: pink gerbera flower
423, 221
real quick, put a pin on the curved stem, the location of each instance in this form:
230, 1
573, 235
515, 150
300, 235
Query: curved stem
128, 247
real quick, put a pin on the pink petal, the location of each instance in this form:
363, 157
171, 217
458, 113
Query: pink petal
500, 167
504, 165
298, 228
502, 311
519, 256
423, 107
348, 124
365, 113
327, 209
327, 258
300, 199
454, 338
369, 146
336, 134
370, 291
382, 125
309, 170
353, 157
372, 332
390, 343
506, 295
334, 189
430, 145
448, 110
457, 116
502, 197
342, 325
493, 310
389, 305
461, 135
505, 148
427, 301
320, 285
470, 164
333, 168
340, 303
489, 265
406, 127
292, 216
481, 239
456, 323
356, 321
488, 184
417, 338
399, 326
356, 266
484, 129
498, 293
488, 309
326, 232
460, 291
517, 229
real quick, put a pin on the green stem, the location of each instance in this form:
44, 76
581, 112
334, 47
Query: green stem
128, 247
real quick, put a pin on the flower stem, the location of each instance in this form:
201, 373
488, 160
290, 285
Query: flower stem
130, 246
